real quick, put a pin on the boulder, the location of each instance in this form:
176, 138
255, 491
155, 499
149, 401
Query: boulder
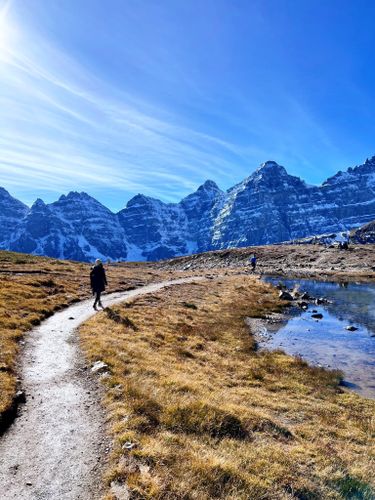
284, 295
302, 304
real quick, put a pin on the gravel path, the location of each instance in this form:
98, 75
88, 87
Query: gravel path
56, 447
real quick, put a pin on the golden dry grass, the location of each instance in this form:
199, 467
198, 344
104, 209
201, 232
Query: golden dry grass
32, 288
195, 413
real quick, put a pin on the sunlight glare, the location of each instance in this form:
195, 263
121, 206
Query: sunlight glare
6, 31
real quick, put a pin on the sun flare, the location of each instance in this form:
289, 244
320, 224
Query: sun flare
6, 30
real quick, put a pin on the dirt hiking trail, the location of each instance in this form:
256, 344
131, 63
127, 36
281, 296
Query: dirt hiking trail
56, 446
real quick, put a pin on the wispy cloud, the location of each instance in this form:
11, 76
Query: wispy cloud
54, 129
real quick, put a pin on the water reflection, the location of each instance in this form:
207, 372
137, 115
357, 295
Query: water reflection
326, 341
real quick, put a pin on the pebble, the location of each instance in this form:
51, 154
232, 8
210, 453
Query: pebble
99, 366
128, 445
21, 396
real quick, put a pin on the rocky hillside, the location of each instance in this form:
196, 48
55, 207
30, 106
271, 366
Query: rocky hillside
287, 261
361, 235
269, 206
364, 234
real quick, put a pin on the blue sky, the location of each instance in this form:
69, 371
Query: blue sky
118, 97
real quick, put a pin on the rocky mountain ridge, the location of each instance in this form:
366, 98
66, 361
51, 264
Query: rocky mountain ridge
364, 234
267, 207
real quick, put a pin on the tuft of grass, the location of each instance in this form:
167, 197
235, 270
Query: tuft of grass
209, 416
48, 283
122, 320
198, 417
189, 305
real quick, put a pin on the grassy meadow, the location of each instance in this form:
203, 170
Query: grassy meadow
195, 412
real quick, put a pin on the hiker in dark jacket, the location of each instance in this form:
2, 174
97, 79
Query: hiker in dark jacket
98, 281
253, 262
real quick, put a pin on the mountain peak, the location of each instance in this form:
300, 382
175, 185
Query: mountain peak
38, 203
269, 166
267, 169
370, 161
208, 192
269, 163
367, 168
75, 195
142, 200
209, 186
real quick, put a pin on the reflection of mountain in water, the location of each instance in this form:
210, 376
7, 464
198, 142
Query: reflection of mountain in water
351, 302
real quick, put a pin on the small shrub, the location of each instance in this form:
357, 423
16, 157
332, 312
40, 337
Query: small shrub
147, 414
184, 353
199, 418
49, 283
189, 305
117, 318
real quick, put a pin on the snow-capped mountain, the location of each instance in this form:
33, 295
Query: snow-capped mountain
154, 230
201, 209
74, 227
269, 206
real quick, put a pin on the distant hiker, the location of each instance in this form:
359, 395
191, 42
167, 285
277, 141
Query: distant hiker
98, 282
253, 262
